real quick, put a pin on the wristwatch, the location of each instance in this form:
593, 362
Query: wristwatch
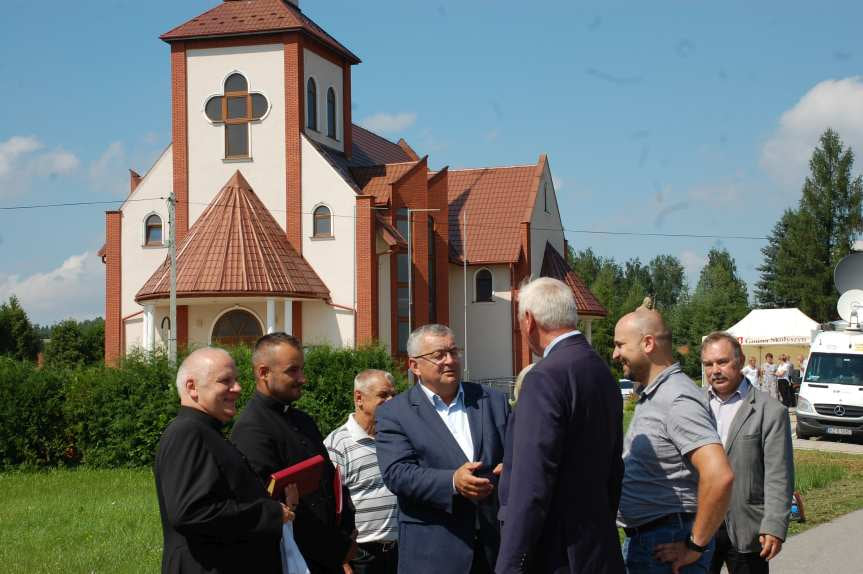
690, 543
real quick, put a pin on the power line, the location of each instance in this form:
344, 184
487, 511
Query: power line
470, 226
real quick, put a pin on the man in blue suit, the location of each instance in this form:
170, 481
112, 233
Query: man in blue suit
562, 468
439, 446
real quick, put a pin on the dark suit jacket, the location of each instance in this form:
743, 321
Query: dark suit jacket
418, 456
274, 436
759, 450
563, 467
216, 515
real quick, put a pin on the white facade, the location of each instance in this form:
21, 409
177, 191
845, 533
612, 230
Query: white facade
489, 323
326, 75
545, 224
207, 70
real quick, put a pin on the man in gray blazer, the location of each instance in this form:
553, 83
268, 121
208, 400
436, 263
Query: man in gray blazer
756, 433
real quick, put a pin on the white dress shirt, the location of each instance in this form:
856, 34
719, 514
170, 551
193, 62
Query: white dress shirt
557, 340
454, 416
724, 411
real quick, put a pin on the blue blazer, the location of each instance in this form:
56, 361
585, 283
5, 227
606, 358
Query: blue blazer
563, 468
418, 455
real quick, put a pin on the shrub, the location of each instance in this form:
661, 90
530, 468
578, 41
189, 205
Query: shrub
113, 417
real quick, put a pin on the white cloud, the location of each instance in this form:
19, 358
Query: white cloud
692, 264
74, 289
108, 173
829, 104
388, 123
22, 160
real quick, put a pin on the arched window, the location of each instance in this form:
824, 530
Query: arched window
236, 327
483, 285
331, 113
323, 222
311, 104
236, 108
153, 230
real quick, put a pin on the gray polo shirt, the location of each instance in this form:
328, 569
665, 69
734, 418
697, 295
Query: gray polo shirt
672, 419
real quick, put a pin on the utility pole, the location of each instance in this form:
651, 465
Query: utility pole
466, 374
172, 250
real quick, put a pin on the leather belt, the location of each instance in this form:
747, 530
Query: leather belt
379, 547
675, 518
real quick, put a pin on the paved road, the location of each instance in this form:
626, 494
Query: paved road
832, 548
822, 444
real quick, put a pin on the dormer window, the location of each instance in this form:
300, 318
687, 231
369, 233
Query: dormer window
311, 105
236, 109
153, 230
331, 113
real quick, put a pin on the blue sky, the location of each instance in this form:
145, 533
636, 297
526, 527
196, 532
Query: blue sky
658, 117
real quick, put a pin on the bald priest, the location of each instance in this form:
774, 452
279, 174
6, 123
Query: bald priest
216, 514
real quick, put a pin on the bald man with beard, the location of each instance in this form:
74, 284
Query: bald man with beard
677, 480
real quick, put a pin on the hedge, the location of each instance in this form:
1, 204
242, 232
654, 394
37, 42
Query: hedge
113, 417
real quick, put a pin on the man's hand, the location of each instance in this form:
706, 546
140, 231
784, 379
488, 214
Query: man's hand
770, 546
675, 553
498, 469
346, 568
287, 514
470, 486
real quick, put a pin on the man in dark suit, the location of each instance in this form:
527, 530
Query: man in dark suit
216, 514
274, 434
756, 433
439, 446
563, 470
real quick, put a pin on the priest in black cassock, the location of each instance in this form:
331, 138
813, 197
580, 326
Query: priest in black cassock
216, 514
273, 434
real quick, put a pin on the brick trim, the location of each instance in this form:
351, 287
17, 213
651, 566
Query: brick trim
182, 326
366, 323
438, 193
297, 319
180, 132
294, 122
113, 284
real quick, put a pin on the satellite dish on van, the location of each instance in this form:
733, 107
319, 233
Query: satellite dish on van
850, 307
849, 273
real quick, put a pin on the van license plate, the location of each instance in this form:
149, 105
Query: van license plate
838, 430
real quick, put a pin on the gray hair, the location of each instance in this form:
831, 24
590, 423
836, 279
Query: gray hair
364, 379
551, 303
197, 366
430, 330
717, 336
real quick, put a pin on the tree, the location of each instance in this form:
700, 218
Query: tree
66, 346
806, 243
718, 302
668, 279
18, 338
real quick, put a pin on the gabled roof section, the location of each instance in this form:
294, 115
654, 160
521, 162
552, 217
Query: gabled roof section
236, 248
371, 149
390, 234
378, 180
554, 265
495, 200
253, 17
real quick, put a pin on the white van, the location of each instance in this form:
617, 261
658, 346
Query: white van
831, 391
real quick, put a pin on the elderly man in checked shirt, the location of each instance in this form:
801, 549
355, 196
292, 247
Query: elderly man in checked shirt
352, 449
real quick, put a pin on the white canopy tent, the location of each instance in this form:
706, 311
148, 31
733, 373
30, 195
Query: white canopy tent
774, 331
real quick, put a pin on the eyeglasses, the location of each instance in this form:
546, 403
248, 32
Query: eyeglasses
439, 356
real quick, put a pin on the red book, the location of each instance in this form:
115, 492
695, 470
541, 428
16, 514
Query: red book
305, 474
337, 491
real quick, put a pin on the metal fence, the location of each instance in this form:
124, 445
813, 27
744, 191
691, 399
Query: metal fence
503, 384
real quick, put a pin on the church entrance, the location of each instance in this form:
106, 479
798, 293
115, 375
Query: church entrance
237, 327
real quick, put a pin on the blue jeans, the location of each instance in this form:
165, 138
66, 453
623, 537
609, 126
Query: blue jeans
638, 550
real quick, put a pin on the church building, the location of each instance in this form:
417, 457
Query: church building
289, 217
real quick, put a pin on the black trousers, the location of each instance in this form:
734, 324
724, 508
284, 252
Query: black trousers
737, 562
374, 558
786, 394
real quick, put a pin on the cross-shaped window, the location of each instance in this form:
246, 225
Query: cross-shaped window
236, 109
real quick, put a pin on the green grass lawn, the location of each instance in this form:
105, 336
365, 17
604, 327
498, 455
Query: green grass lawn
80, 521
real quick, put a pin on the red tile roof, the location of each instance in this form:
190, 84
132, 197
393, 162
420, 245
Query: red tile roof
390, 234
236, 248
252, 17
371, 149
378, 180
554, 265
496, 200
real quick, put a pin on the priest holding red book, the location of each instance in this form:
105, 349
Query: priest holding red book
216, 513
273, 435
